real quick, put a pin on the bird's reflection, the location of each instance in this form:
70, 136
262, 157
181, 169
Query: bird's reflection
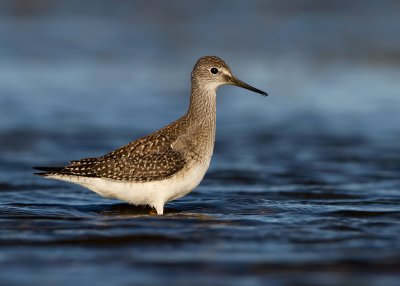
131, 210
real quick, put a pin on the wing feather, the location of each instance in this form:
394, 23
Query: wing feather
147, 159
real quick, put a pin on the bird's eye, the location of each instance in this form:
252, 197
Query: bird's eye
214, 70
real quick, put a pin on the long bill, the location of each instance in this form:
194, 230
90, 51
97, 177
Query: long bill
242, 84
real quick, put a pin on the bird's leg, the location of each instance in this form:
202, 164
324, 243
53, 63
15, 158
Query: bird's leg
153, 211
159, 208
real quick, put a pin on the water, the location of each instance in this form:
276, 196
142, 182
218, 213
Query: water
304, 186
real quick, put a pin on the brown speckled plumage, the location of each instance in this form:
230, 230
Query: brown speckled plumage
146, 159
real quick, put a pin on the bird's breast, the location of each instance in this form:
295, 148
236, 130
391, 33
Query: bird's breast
198, 144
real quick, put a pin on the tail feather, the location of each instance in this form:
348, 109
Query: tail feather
81, 167
48, 170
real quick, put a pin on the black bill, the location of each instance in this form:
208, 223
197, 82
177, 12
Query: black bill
242, 84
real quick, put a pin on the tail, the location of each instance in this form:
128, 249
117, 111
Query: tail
81, 167
48, 170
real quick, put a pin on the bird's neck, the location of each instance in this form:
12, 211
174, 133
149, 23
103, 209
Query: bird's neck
202, 107
202, 123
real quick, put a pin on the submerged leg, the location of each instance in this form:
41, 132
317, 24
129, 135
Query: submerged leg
153, 211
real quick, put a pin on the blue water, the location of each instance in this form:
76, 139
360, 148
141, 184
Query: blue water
304, 186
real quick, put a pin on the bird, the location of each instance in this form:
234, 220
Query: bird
164, 165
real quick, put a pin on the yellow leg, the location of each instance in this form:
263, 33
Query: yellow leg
153, 211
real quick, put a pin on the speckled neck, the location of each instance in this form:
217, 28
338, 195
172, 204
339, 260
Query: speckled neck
202, 107
202, 122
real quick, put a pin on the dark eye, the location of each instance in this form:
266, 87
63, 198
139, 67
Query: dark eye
214, 70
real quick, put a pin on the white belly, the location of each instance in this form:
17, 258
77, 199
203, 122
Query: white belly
154, 193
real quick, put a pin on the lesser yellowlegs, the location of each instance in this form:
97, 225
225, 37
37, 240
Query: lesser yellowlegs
166, 164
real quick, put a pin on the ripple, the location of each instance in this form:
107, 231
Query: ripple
364, 213
98, 241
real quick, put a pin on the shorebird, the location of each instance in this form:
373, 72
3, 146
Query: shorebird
167, 164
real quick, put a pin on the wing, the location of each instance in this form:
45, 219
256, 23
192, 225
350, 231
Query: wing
141, 167
147, 159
